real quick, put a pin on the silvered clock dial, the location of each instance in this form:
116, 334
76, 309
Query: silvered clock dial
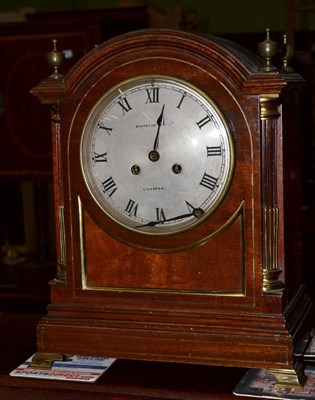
156, 155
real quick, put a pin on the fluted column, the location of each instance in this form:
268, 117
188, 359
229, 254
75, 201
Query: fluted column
269, 115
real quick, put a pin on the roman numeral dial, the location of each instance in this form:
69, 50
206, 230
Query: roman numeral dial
157, 155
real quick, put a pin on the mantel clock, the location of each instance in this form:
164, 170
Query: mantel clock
176, 181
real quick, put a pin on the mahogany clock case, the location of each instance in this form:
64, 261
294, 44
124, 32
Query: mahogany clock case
199, 295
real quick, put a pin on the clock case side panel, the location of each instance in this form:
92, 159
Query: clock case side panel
292, 204
63, 281
281, 206
61, 275
255, 331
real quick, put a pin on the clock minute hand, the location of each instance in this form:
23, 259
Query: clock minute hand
197, 212
153, 223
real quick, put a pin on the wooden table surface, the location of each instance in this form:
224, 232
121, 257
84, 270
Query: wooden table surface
126, 379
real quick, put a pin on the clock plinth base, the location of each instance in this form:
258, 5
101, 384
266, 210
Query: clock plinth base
163, 336
289, 377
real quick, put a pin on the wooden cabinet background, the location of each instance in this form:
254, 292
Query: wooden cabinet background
25, 124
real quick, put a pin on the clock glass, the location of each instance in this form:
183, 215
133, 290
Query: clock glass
156, 155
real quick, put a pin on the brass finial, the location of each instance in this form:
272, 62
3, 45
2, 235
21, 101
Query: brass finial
288, 55
55, 59
267, 50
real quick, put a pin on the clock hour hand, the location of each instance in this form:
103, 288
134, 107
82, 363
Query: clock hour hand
154, 155
159, 123
197, 212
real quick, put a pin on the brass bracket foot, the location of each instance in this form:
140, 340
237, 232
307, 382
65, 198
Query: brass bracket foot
44, 360
289, 377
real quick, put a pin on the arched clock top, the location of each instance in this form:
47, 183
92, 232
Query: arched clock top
226, 60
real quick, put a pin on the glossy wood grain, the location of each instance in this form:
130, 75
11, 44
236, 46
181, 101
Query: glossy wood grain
196, 296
